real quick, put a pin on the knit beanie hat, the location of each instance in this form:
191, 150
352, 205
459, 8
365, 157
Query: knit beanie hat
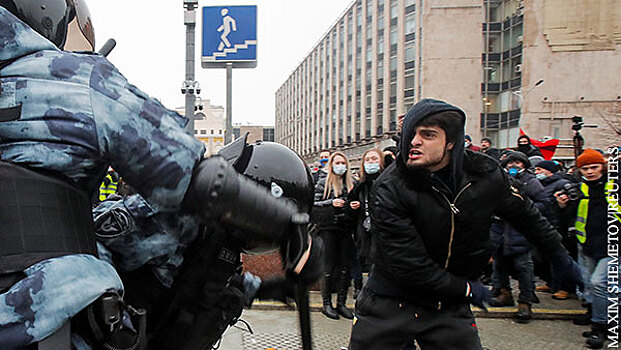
590, 156
467, 137
548, 165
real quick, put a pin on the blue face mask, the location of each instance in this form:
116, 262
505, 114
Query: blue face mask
371, 168
339, 169
541, 176
514, 171
323, 161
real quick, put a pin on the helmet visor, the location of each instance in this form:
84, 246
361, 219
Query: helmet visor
85, 23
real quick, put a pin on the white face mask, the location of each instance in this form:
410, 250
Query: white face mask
339, 169
371, 168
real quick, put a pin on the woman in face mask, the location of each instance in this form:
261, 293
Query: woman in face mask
335, 228
372, 165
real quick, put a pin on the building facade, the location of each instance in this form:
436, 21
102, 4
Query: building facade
209, 125
507, 63
255, 132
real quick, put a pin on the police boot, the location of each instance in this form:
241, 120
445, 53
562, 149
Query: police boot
504, 298
341, 296
326, 295
597, 337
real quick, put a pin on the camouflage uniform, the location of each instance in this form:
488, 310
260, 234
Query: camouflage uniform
78, 116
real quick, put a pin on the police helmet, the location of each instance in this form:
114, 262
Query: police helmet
56, 20
276, 167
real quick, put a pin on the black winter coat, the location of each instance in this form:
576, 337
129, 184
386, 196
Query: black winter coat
506, 240
326, 216
360, 193
551, 185
429, 241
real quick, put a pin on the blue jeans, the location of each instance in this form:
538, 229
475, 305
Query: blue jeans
595, 273
522, 268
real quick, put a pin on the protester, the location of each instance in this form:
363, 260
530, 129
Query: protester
431, 215
512, 250
320, 171
336, 229
469, 145
589, 212
553, 180
486, 147
525, 146
371, 166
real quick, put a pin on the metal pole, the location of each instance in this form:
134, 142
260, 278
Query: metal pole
228, 134
189, 20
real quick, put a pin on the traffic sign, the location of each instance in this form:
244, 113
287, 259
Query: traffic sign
229, 36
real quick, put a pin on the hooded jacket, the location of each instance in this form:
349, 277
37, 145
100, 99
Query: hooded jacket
529, 149
431, 238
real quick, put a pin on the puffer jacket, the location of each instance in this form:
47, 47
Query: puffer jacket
430, 239
326, 216
506, 240
551, 185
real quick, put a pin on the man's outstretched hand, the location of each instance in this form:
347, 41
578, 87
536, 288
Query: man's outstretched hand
478, 294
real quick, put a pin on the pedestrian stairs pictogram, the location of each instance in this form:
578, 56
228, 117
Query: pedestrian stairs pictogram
234, 49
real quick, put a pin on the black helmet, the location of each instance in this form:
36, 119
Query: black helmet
51, 18
276, 167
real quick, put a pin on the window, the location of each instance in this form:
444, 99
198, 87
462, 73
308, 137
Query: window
410, 52
393, 36
380, 22
380, 44
410, 24
394, 8
203, 132
393, 64
409, 82
220, 131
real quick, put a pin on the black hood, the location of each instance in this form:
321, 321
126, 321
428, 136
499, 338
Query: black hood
422, 110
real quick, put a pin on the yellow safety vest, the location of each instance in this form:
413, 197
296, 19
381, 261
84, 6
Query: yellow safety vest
105, 191
583, 209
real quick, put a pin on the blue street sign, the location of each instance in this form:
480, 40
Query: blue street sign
229, 35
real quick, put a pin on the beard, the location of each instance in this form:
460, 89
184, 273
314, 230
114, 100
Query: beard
431, 160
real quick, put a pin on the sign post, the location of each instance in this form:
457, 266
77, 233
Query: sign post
229, 41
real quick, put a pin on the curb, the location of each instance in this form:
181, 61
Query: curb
493, 312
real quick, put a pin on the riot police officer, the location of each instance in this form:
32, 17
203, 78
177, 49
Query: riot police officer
64, 118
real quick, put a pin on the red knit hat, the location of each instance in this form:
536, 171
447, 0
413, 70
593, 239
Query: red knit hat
590, 156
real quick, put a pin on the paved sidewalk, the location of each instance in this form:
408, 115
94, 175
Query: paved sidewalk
279, 330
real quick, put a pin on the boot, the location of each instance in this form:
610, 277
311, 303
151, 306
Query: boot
357, 288
584, 319
598, 335
503, 299
341, 296
326, 295
524, 313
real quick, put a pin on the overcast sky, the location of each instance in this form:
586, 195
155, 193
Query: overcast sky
150, 49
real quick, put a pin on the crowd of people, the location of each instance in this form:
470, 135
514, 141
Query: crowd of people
571, 199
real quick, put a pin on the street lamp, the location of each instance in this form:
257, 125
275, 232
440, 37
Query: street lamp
189, 86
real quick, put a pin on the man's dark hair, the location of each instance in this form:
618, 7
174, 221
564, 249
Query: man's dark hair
448, 121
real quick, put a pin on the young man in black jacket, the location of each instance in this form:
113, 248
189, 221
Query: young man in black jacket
431, 213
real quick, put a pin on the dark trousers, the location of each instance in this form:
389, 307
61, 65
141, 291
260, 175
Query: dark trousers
521, 267
386, 323
338, 249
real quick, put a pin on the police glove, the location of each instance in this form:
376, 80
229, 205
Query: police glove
565, 270
478, 294
276, 288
